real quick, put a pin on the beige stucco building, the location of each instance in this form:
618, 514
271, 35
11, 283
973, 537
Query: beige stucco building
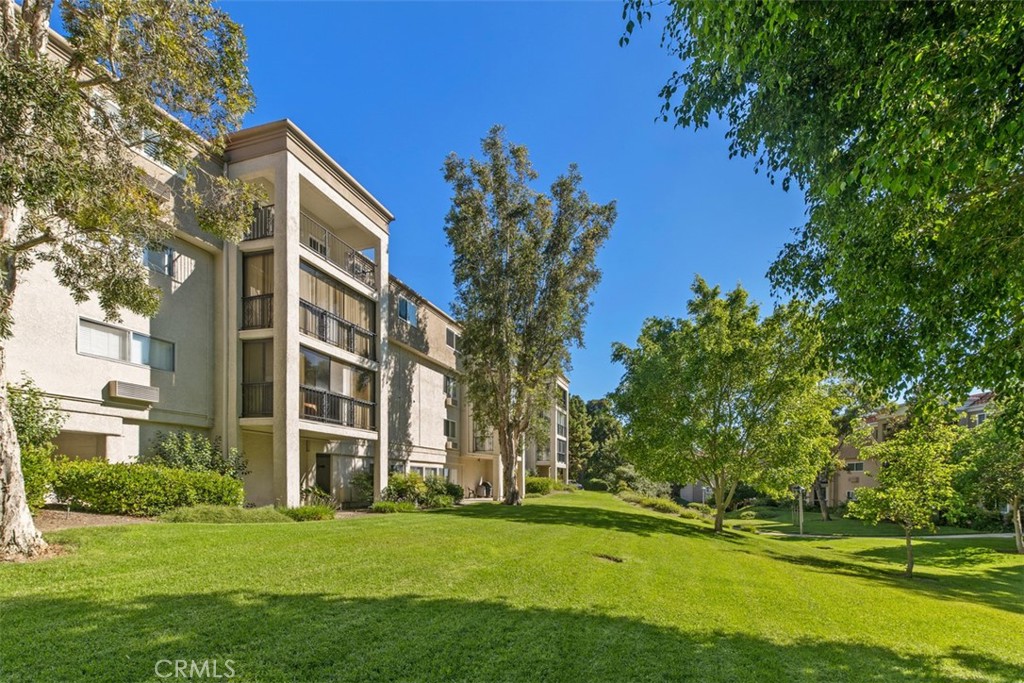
295, 345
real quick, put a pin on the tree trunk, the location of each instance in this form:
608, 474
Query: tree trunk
510, 472
1018, 525
18, 534
719, 506
819, 488
910, 555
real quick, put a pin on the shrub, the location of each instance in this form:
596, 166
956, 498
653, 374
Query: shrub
39, 469
690, 513
407, 488
133, 489
224, 514
595, 485
562, 486
194, 452
387, 506
433, 502
314, 495
539, 485
362, 487
630, 496
702, 508
309, 513
662, 505
626, 477
439, 487
748, 514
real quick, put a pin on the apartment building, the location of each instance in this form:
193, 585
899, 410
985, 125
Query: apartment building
431, 428
295, 345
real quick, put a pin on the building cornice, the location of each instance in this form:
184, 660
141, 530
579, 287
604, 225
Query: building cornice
285, 135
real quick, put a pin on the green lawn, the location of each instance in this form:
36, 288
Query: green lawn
489, 593
785, 521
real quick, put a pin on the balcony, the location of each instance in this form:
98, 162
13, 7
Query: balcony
483, 444
257, 311
257, 399
262, 223
324, 406
318, 238
327, 327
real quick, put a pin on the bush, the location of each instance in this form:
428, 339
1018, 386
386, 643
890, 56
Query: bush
662, 505
362, 487
595, 485
980, 519
387, 506
405, 488
316, 496
540, 485
39, 469
194, 452
309, 513
434, 502
562, 486
690, 513
702, 508
225, 514
439, 487
630, 496
626, 477
133, 489
748, 514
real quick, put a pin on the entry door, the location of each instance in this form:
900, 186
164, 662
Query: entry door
323, 472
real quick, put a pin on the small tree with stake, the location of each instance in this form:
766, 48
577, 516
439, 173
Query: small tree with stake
915, 481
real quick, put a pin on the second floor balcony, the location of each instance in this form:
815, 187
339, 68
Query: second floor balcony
326, 406
257, 311
327, 327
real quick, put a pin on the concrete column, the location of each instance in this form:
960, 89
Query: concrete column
286, 331
380, 460
227, 367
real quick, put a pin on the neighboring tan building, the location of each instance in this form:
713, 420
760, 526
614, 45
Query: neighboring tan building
280, 345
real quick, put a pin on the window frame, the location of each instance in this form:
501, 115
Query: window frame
128, 337
406, 304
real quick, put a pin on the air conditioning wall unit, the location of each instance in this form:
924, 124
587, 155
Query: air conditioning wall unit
450, 402
127, 391
451, 445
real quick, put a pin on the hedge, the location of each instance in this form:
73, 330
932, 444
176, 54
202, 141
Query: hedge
140, 490
541, 485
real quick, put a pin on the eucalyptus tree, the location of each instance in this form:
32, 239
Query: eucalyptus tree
524, 270
724, 396
903, 124
163, 77
581, 442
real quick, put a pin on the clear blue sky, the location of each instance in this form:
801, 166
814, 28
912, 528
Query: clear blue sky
388, 89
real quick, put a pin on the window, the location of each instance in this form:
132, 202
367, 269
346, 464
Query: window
563, 397
407, 310
318, 371
159, 259
453, 339
258, 274
257, 361
981, 418
855, 467
451, 389
115, 343
562, 423
451, 430
563, 450
325, 292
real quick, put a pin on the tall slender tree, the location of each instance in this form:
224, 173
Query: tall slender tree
163, 77
581, 443
723, 397
524, 270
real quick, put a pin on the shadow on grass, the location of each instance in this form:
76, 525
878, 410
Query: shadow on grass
275, 637
597, 518
1000, 586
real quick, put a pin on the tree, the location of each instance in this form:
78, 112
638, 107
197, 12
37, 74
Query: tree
166, 78
581, 444
915, 481
192, 451
903, 124
38, 420
994, 467
524, 270
605, 431
724, 397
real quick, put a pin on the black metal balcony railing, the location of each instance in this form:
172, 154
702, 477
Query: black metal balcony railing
336, 331
257, 399
324, 406
262, 223
257, 311
318, 238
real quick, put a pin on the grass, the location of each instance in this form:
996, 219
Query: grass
564, 588
225, 514
784, 520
